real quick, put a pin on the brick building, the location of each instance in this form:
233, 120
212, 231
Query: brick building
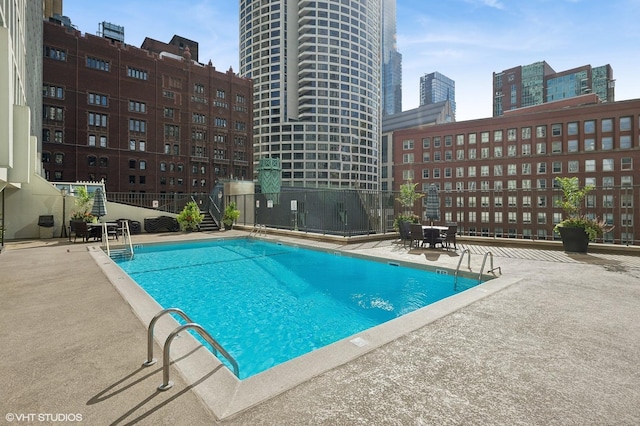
497, 175
143, 121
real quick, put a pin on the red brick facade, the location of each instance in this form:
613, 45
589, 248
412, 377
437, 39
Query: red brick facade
497, 174
143, 122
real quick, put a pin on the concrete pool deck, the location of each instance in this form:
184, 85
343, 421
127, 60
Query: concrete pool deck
559, 346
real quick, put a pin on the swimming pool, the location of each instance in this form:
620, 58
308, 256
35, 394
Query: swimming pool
267, 303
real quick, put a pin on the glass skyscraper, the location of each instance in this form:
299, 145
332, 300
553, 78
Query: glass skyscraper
436, 87
391, 61
538, 83
316, 70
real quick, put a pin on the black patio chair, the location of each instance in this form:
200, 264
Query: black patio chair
449, 237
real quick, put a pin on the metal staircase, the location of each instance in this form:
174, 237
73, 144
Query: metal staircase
208, 224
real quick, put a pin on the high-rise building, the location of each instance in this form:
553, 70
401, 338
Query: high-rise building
20, 113
316, 70
391, 61
436, 87
537, 83
143, 120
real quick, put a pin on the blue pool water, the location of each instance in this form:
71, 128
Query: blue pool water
267, 303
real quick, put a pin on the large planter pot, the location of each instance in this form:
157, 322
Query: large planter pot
574, 240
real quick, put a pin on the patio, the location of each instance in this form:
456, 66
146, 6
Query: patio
557, 347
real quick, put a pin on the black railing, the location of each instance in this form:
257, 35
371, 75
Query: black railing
525, 213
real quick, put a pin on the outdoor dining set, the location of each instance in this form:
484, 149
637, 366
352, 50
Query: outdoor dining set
428, 236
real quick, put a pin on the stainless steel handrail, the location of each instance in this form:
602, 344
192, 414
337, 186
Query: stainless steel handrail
491, 270
468, 252
150, 359
166, 383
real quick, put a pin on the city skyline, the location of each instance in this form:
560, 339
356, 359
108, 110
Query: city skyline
467, 40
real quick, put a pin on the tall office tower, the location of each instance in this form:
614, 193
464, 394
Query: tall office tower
538, 83
316, 71
436, 87
391, 61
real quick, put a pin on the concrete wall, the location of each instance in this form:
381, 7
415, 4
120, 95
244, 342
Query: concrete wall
24, 206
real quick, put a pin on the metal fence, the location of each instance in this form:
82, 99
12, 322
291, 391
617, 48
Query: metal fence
527, 213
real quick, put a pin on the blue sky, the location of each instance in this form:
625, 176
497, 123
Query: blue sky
466, 40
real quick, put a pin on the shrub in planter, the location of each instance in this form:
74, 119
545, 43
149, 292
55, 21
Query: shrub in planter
231, 214
190, 217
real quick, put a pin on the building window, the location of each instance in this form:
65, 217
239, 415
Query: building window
426, 143
607, 143
58, 136
135, 106
589, 126
556, 167
626, 163
137, 73
589, 165
407, 158
541, 131
407, 144
220, 122
625, 142
556, 130
132, 145
169, 112
97, 120
459, 140
572, 128
171, 130
198, 88
607, 125
138, 126
625, 123
484, 137
497, 136
472, 138
54, 53
97, 64
142, 165
52, 113
96, 99
572, 145
526, 133
426, 157
512, 135
590, 144
607, 164
49, 91
198, 118
220, 94
541, 148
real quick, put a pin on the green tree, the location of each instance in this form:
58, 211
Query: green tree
408, 196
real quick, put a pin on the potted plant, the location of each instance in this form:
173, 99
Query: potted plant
81, 211
407, 199
190, 217
577, 229
231, 214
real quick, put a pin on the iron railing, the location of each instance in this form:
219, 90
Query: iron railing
528, 213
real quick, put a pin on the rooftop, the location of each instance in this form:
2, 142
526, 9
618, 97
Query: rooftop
558, 345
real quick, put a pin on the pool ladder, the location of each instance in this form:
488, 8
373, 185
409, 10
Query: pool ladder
166, 383
484, 261
258, 231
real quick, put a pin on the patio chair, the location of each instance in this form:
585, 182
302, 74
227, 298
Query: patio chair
81, 230
405, 233
416, 234
432, 237
449, 237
